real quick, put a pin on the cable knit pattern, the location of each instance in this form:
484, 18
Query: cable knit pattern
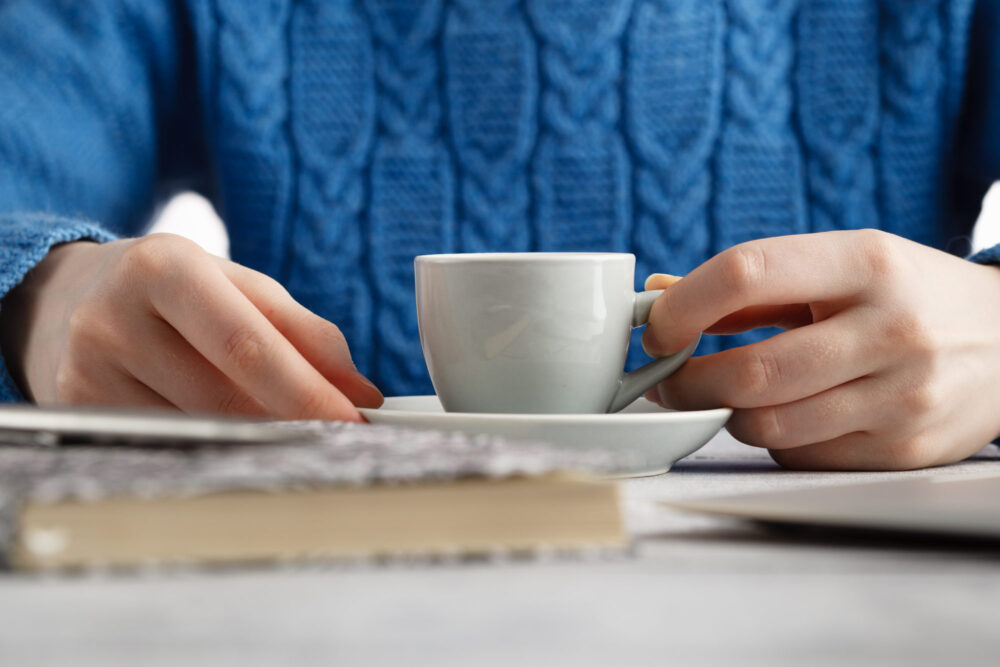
955, 17
673, 98
339, 138
758, 167
673, 121
911, 177
838, 110
412, 208
492, 121
581, 179
332, 89
53, 93
252, 116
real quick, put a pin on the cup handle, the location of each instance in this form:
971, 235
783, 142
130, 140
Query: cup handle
638, 382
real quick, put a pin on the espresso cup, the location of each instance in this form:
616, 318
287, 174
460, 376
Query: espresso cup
534, 332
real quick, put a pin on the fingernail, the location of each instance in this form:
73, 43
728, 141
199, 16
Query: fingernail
651, 346
661, 280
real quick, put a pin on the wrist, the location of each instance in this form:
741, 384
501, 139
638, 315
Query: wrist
19, 307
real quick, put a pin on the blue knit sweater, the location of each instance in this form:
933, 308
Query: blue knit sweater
339, 138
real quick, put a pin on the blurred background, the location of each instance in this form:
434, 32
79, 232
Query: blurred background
193, 216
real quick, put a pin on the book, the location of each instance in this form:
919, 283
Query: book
341, 491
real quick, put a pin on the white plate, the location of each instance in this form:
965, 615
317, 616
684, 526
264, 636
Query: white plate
650, 438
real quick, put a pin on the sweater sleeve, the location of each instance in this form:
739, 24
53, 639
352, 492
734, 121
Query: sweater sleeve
93, 126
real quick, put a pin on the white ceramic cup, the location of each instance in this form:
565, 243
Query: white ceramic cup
534, 332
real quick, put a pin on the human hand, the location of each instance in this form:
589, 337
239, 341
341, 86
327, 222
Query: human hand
157, 322
891, 358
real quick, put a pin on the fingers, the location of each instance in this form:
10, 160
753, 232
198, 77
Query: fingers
752, 317
789, 366
851, 407
105, 385
220, 322
756, 317
768, 272
864, 452
129, 391
318, 340
182, 376
872, 423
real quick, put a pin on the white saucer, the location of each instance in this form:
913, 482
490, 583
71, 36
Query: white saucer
650, 438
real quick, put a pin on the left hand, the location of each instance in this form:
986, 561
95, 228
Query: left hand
890, 361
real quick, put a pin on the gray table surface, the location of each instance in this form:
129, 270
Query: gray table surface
696, 590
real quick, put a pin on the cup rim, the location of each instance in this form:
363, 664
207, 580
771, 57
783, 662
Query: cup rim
483, 257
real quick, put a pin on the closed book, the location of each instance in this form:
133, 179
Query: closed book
338, 491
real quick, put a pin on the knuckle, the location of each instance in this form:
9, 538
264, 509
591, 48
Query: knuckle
80, 324
921, 341
336, 340
334, 333
921, 400
156, 256
69, 385
312, 406
246, 349
743, 267
273, 285
278, 295
88, 322
908, 454
173, 243
900, 325
762, 427
906, 331
89, 331
880, 252
757, 373
145, 259
236, 402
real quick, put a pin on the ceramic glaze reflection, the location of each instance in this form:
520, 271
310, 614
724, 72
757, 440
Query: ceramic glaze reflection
526, 332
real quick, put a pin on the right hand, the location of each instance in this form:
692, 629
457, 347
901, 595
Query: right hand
157, 322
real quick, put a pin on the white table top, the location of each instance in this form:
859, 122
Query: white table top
696, 590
